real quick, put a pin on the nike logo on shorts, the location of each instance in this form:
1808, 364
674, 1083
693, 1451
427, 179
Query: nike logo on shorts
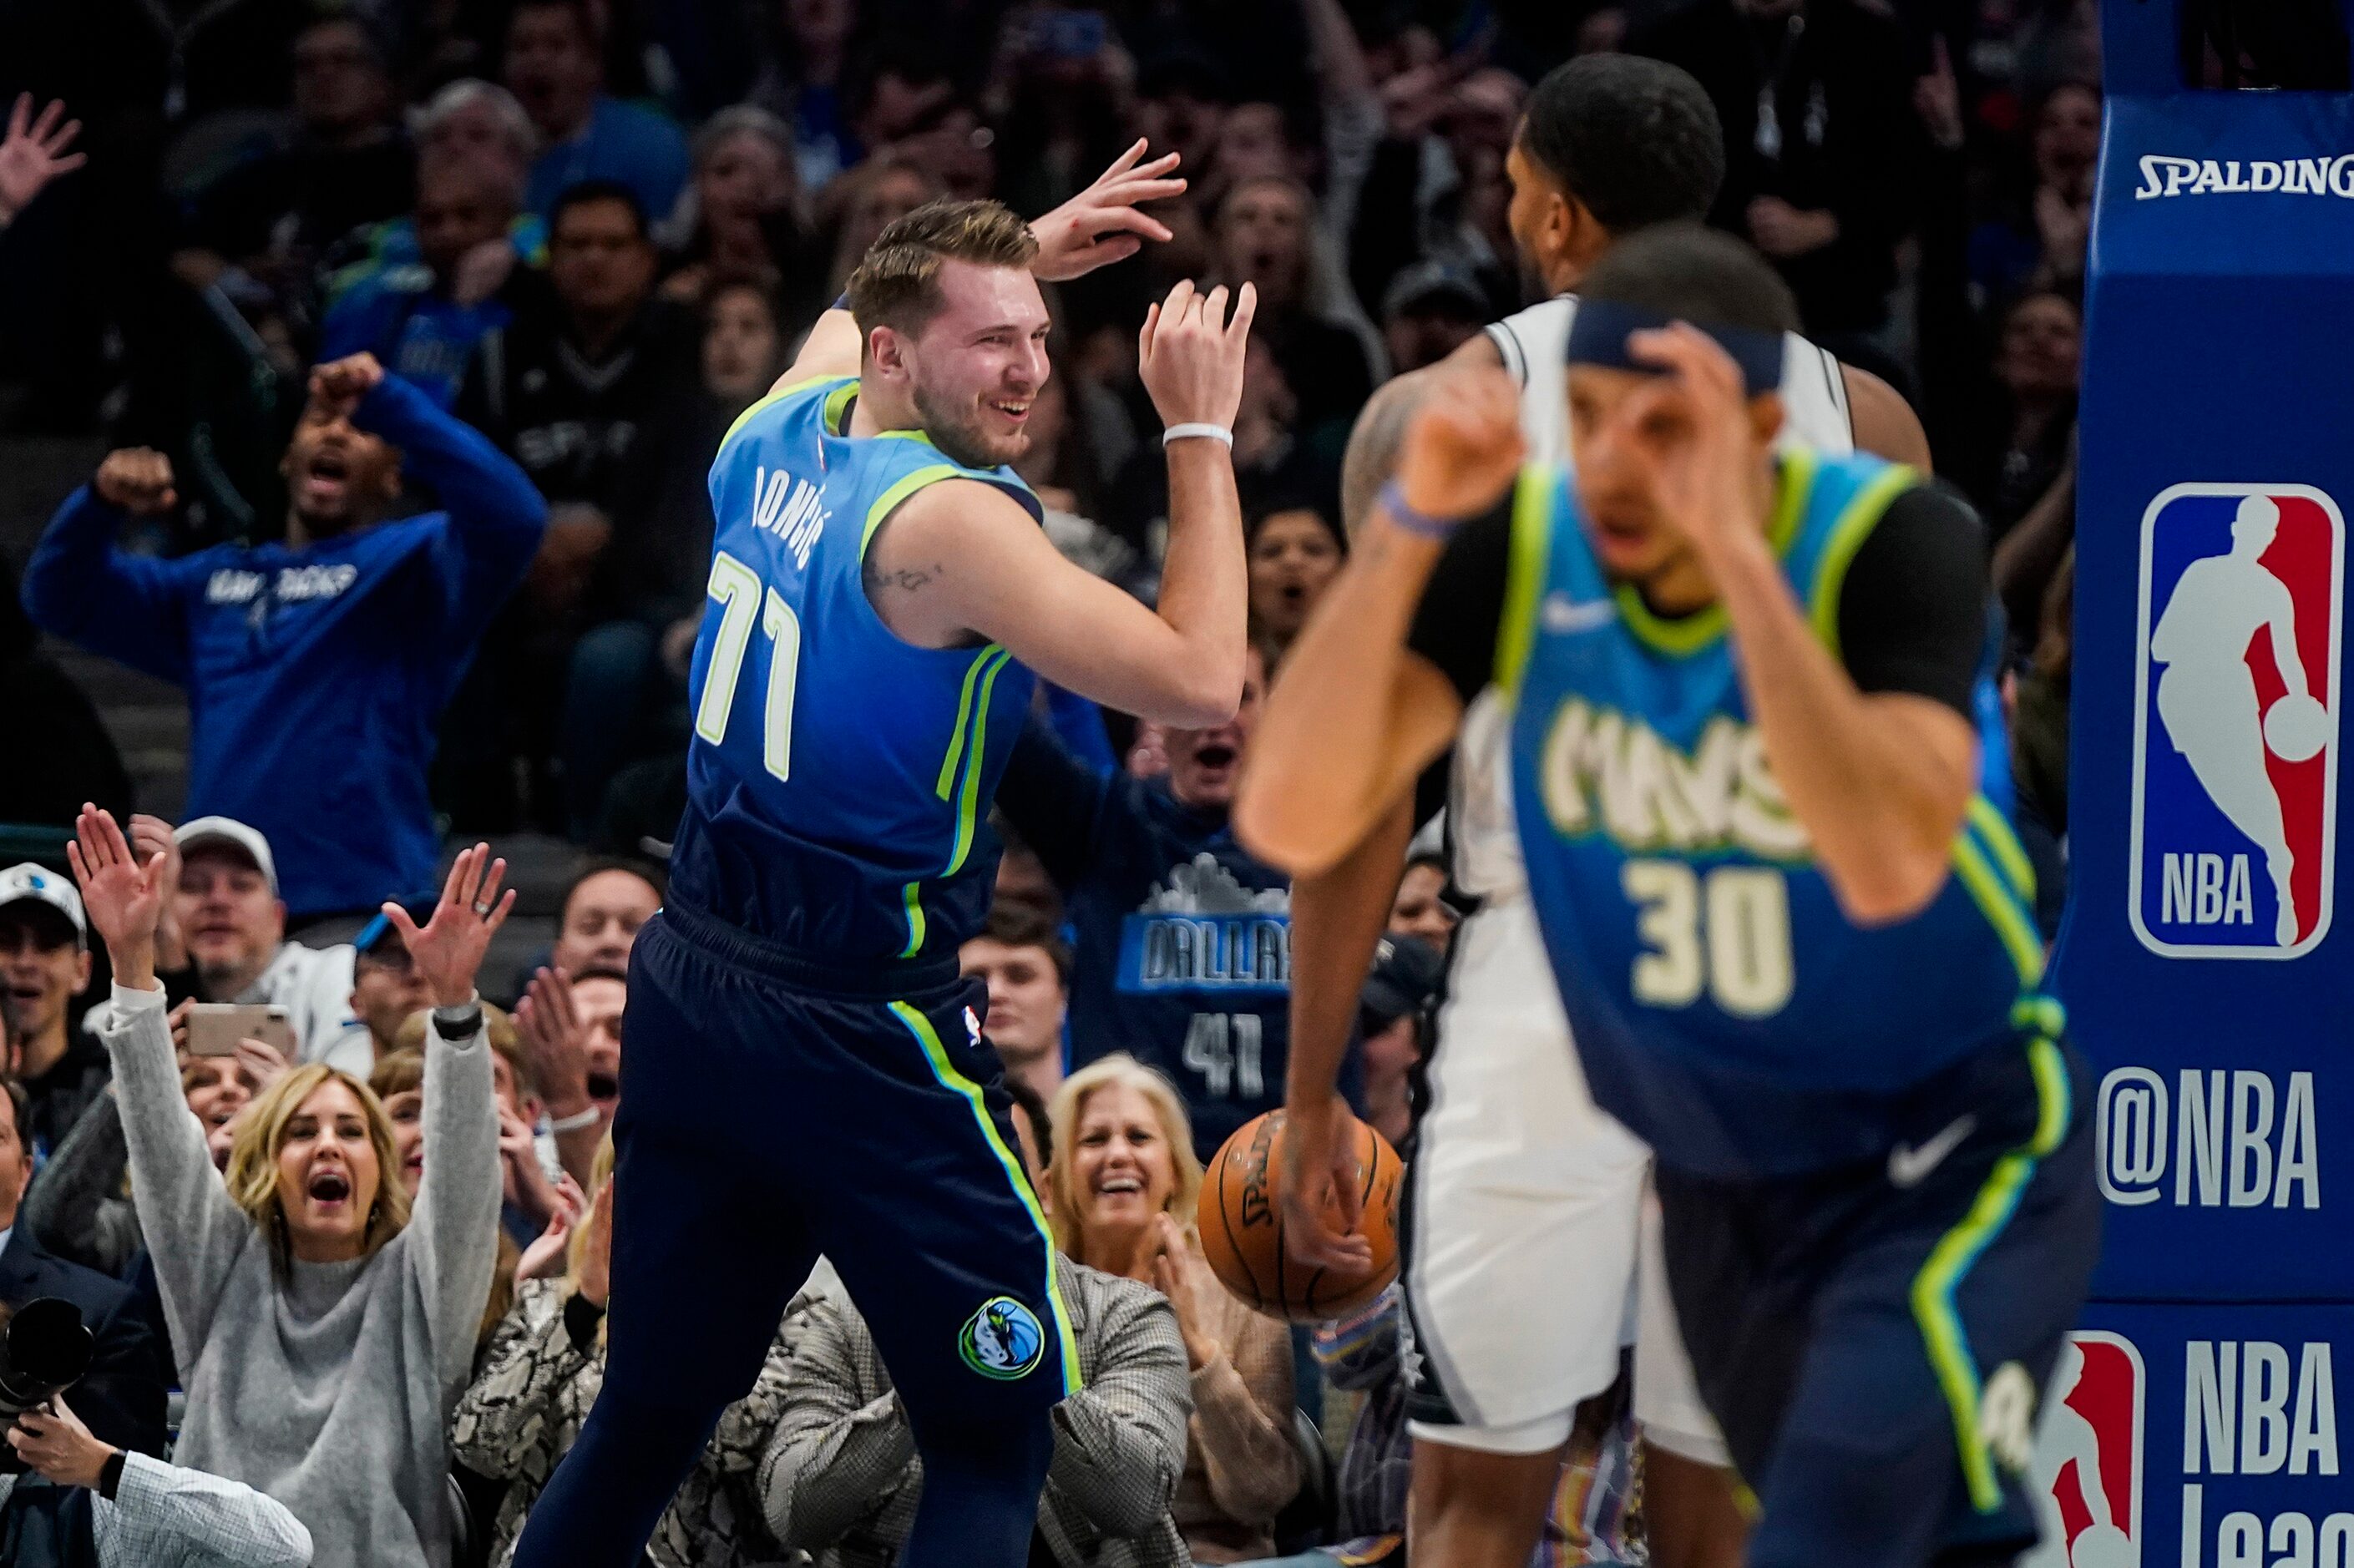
1907, 1165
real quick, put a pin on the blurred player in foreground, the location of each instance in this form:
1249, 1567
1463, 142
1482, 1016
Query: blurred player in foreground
1526, 1221
1811, 986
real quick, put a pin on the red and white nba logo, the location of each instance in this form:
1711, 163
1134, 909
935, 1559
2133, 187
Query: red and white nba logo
2235, 721
2088, 1462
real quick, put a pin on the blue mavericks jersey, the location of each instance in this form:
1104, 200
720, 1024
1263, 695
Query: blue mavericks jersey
839, 778
1182, 955
1725, 1009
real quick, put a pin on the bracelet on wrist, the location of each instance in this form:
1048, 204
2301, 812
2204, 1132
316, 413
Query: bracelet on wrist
1422, 525
1194, 427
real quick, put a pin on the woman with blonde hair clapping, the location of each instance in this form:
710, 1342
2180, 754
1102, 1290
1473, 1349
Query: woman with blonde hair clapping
1125, 1181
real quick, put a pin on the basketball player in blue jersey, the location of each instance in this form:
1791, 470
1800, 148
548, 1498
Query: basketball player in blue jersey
806, 1071
1524, 1220
1793, 945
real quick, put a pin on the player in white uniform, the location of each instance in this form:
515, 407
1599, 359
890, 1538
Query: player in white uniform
1523, 1213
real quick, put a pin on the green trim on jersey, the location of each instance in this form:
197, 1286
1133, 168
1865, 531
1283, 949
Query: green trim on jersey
906, 485
2003, 906
837, 404
779, 396
2040, 1016
912, 897
971, 734
2008, 852
1934, 1287
968, 797
1685, 635
945, 1071
1854, 526
945, 786
1524, 577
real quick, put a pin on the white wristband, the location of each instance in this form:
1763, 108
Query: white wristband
1208, 433
576, 1121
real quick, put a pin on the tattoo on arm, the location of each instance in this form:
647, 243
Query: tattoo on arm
906, 578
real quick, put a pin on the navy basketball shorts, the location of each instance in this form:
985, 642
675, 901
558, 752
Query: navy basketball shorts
771, 1112
1875, 1340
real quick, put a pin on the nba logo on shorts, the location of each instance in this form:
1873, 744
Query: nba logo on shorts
2087, 1474
2235, 721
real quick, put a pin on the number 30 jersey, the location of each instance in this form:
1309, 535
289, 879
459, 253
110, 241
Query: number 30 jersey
1727, 1010
839, 779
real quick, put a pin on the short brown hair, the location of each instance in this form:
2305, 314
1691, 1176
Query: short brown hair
1019, 923
397, 1073
897, 283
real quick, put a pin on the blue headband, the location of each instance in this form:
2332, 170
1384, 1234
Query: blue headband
1598, 335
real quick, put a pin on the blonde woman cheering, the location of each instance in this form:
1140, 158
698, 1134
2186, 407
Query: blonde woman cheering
323, 1327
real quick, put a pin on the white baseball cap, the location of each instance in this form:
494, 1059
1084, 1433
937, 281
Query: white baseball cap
229, 830
29, 884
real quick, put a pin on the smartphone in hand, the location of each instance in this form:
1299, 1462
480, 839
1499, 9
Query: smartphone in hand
216, 1027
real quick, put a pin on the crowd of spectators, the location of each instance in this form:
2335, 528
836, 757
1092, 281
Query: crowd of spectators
410, 327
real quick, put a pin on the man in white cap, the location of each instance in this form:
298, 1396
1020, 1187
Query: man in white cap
225, 926
44, 965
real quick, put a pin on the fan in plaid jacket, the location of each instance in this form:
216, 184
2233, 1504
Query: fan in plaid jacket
841, 1479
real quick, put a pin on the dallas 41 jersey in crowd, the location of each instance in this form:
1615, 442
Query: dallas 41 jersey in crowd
1184, 956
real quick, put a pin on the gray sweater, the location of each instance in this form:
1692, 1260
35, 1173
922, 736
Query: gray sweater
329, 1388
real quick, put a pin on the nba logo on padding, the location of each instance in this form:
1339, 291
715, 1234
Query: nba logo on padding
2087, 1475
2235, 721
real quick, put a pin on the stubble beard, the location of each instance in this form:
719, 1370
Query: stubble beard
957, 432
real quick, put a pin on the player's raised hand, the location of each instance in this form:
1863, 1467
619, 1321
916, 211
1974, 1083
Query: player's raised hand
1190, 354
1320, 1178
33, 153
1101, 224
1692, 431
448, 949
1463, 448
138, 480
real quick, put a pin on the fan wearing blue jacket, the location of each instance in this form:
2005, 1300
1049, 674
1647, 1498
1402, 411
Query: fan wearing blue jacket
316, 669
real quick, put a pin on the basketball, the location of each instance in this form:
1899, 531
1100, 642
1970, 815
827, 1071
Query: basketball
2295, 728
1241, 1222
